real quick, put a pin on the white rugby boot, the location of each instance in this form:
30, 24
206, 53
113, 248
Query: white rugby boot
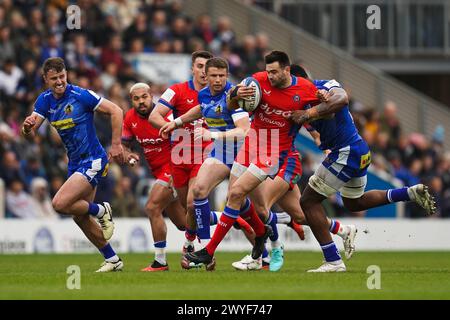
106, 222
111, 266
419, 194
349, 241
248, 263
335, 266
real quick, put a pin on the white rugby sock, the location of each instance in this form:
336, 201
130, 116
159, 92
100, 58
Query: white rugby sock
160, 255
101, 210
276, 244
283, 218
113, 259
343, 231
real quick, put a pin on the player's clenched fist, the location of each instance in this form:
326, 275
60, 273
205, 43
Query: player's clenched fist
323, 95
131, 158
29, 123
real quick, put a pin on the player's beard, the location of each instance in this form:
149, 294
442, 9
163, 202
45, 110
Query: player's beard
145, 113
280, 83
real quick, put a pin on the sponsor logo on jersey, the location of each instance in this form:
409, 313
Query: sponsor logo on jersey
212, 122
190, 101
147, 150
271, 121
269, 111
147, 141
63, 124
267, 92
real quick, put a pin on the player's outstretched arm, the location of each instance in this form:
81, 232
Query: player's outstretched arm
30, 125
157, 116
116, 151
193, 114
241, 130
242, 127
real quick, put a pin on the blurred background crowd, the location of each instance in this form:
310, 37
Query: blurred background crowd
34, 30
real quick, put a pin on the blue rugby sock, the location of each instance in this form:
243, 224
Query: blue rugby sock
397, 195
109, 254
213, 218
265, 253
330, 252
96, 210
272, 221
203, 217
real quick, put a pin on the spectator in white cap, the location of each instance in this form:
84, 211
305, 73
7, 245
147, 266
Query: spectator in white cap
41, 197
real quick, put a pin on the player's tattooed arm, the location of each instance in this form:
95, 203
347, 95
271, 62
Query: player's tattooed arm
332, 102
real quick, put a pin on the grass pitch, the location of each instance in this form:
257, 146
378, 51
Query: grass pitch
404, 275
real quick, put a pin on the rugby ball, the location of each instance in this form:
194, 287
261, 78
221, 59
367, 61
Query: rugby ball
251, 103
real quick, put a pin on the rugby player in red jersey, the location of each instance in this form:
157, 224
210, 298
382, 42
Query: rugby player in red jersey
187, 155
268, 151
157, 152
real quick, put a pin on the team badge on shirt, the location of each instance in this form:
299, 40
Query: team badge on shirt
68, 109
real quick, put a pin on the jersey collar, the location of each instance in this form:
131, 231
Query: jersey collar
191, 84
293, 80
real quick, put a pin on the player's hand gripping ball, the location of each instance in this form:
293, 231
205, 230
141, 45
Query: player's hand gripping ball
250, 103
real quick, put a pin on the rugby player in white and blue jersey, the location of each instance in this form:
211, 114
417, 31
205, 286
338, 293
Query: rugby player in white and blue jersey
344, 170
70, 110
